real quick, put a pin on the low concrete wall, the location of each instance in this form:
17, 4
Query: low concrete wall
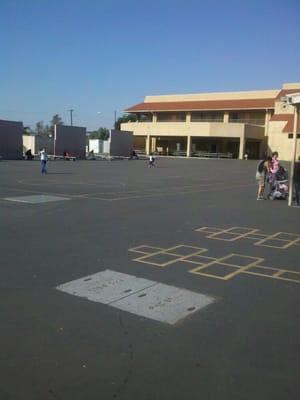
121, 143
11, 143
36, 143
70, 139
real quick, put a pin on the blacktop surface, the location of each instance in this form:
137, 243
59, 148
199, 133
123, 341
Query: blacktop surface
244, 346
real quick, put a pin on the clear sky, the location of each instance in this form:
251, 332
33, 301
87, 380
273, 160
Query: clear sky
105, 55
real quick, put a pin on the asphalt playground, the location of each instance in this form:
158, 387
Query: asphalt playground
207, 305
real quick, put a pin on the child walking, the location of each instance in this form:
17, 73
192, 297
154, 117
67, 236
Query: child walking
151, 161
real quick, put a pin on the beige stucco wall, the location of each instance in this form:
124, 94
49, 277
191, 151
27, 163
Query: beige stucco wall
282, 108
279, 141
29, 143
293, 85
197, 129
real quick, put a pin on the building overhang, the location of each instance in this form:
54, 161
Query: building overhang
212, 105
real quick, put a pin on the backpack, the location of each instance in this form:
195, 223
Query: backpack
260, 169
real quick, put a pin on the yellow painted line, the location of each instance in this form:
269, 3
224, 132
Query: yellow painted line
200, 262
229, 231
166, 194
153, 263
208, 275
292, 243
278, 273
207, 229
272, 276
136, 249
246, 229
264, 267
199, 251
256, 261
240, 270
288, 279
275, 237
253, 234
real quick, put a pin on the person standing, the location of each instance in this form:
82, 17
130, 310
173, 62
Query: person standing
263, 169
151, 161
44, 159
297, 183
275, 165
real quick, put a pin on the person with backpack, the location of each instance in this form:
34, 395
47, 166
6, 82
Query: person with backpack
297, 183
263, 169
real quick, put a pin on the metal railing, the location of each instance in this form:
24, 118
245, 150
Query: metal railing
206, 154
248, 121
208, 120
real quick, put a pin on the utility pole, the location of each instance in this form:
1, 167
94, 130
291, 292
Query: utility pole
71, 116
115, 118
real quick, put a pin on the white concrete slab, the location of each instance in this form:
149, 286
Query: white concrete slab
164, 303
106, 286
143, 297
35, 199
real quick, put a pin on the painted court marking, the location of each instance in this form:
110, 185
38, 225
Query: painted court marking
223, 268
277, 240
36, 199
143, 297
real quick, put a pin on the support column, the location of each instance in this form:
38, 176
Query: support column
189, 146
154, 117
242, 146
153, 144
265, 149
148, 145
226, 117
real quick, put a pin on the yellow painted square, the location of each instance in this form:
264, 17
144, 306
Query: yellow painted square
227, 236
159, 259
289, 275
241, 231
240, 260
144, 249
184, 250
206, 229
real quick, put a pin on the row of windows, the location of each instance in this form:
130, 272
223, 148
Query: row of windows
254, 117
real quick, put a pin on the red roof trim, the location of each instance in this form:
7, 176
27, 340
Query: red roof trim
203, 105
284, 92
289, 119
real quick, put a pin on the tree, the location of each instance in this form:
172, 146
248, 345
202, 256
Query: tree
39, 127
27, 130
56, 120
101, 133
125, 118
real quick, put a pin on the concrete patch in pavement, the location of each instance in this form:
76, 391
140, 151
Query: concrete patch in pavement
143, 297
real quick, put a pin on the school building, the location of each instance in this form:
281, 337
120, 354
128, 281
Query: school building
226, 124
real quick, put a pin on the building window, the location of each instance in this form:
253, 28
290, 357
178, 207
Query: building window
291, 135
248, 117
147, 117
208, 116
171, 117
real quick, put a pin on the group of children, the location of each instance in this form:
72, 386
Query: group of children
270, 171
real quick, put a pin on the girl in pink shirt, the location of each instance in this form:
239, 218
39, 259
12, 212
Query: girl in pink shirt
275, 163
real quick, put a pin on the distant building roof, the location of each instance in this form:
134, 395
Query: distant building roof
255, 100
203, 105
